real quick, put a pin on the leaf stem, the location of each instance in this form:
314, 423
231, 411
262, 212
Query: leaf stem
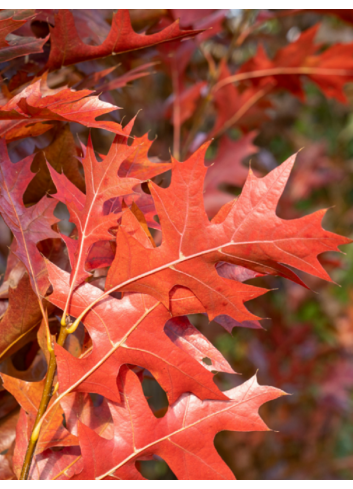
281, 70
48, 392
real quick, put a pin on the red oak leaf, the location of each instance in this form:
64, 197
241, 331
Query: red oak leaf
12, 46
67, 47
86, 211
330, 69
94, 79
30, 225
129, 330
246, 232
210, 20
23, 115
94, 213
183, 437
131, 290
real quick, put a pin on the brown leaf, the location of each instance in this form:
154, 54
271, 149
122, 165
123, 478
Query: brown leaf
62, 156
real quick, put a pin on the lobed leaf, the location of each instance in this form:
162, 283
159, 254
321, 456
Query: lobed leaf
92, 217
67, 48
330, 69
183, 437
13, 46
247, 233
130, 330
30, 225
28, 112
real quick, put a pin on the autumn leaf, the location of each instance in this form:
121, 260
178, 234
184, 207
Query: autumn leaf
330, 69
183, 437
247, 233
149, 257
13, 46
67, 47
28, 112
103, 182
129, 330
29, 225
94, 79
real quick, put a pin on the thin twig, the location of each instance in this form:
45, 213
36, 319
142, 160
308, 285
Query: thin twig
46, 396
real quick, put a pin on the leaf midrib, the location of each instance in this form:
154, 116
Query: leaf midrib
184, 428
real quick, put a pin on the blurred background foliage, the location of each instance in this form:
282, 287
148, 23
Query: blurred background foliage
306, 348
